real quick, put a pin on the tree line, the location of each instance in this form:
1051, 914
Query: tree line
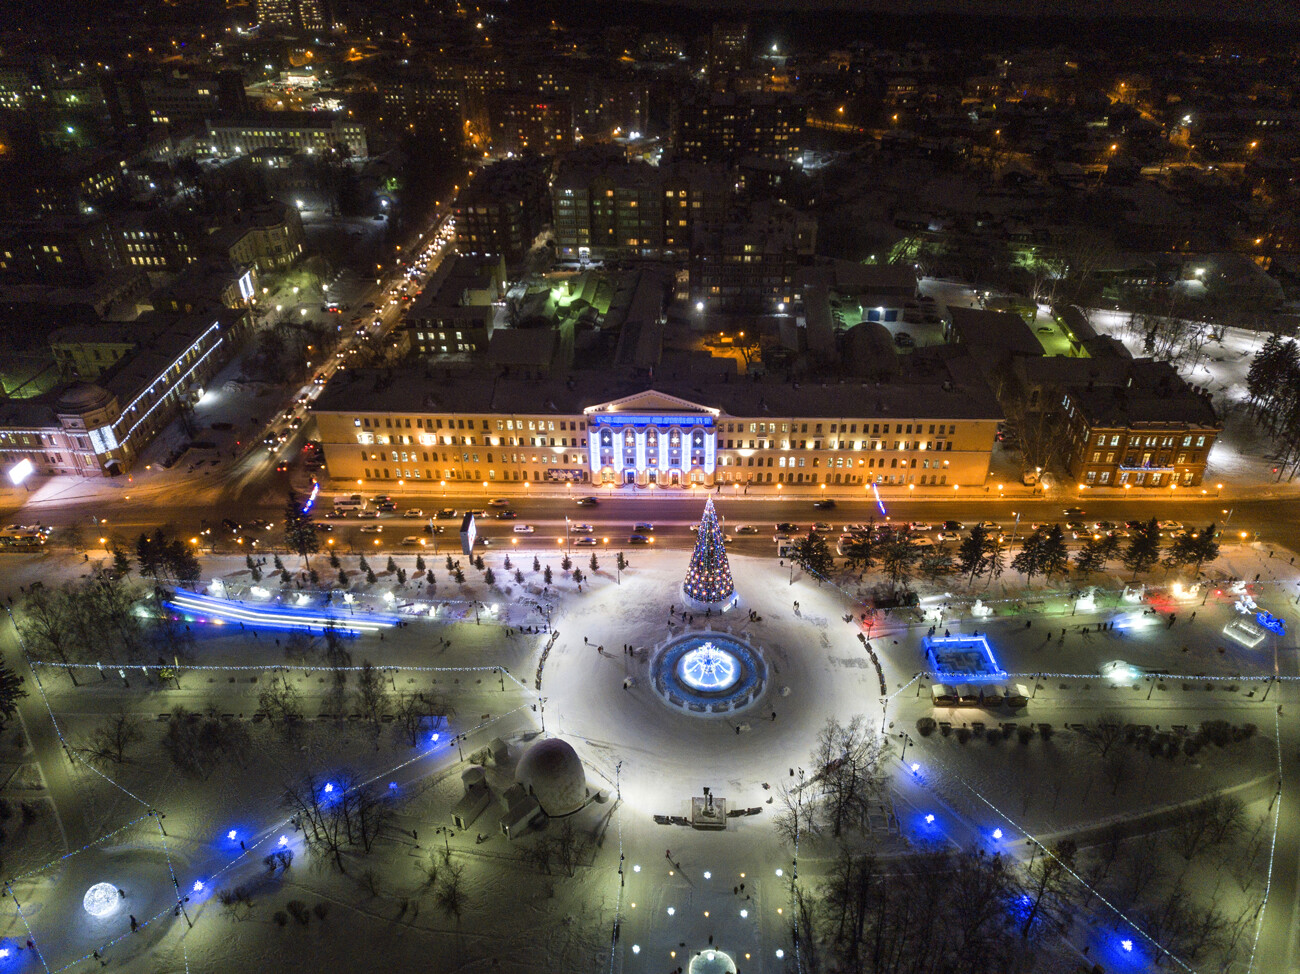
982, 553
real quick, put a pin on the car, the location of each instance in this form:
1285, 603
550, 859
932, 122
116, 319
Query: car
368, 304
990, 526
477, 512
785, 527
953, 526
587, 502
522, 529
858, 528
1077, 528
919, 526
434, 529
823, 527
446, 514
386, 506
637, 539
1073, 512
412, 541
367, 515
413, 512
336, 515
581, 529
780, 538
746, 529
506, 515
587, 542
923, 543
295, 422
643, 527
1170, 525
257, 524
324, 528
1134, 525
381, 499
904, 340
372, 529
1044, 329
499, 502
825, 504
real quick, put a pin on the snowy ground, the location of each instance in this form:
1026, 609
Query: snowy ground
634, 746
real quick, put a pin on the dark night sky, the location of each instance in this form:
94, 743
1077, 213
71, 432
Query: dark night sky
1252, 10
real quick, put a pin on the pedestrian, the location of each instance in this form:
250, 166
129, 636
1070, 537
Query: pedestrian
121, 894
242, 846
135, 925
668, 854
737, 730
774, 716
1193, 616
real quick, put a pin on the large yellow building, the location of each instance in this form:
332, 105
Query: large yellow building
933, 430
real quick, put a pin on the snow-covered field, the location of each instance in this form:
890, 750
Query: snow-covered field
516, 917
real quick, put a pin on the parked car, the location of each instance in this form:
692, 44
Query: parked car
1169, 525
953, 526
823, 527
786, 527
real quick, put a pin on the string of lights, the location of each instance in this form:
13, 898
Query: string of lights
1033, 840
140, 925
31, 934
274, 668
618, 896
77, 852
1272, 848
67, 748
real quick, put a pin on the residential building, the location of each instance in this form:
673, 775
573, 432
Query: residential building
267, 237
725, 128
523, 121
455, 314
607, 207
503, 209
749, 264
292, 15
729, 53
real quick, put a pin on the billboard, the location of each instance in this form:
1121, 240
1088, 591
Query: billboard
468, 533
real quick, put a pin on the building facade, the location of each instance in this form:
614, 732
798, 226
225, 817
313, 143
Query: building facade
503, 209
99, 429
725, 128
648, 438
310, 132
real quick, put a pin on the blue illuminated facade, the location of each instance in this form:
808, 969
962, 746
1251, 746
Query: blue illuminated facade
658, 445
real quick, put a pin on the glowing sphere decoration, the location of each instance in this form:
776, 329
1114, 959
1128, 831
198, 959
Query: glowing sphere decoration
708, 668
101, 900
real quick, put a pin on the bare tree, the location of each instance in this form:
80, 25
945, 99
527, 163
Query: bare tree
848, 777
110, 741
1103, 734
45, 620
1048, 888
281, 702
372, 697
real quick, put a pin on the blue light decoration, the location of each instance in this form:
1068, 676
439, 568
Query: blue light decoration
916, 768
198, 886
973, 653
1126, 945
929, 818
997, 834
1271, 622
708, 668
207, 608
329, 788
311, 499
879, 503
284, 840
232, 835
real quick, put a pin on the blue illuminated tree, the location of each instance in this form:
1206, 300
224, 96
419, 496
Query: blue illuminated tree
708, 583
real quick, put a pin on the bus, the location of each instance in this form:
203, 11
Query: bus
20, 537
349, 502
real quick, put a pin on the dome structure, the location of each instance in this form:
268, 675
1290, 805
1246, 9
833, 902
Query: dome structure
552, 772
82, 397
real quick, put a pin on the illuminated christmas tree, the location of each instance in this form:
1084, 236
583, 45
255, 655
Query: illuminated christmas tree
708, 583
